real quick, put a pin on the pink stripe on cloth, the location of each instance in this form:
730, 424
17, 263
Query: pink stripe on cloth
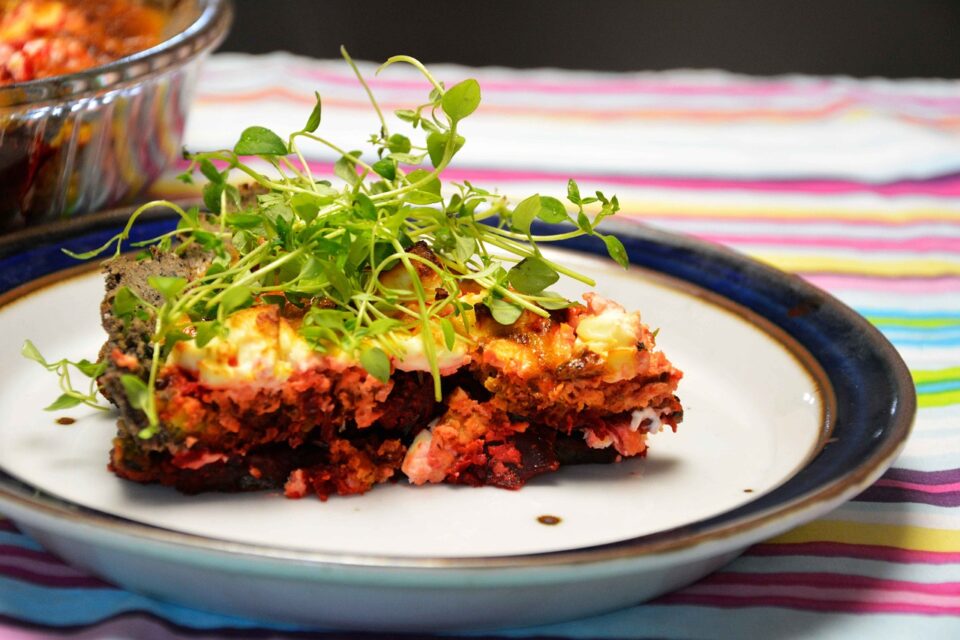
38, 567
55, 581
863, 551
832, 581
878, 219
923, 244
14, 551
911, 285
913, 486
901, 601
727, 86
762, 599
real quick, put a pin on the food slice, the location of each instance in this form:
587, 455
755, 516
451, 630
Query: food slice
257, 407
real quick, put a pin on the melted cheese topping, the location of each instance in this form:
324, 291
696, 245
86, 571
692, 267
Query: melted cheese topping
262, 347
612, 333
415, 357
610, 330
259, 347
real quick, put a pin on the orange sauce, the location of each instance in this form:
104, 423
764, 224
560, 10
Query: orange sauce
45, 38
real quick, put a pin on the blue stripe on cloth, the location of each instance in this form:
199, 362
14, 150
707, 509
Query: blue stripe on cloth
924, 573
926, 341
19, 540
74, 607
938, 387
908, 313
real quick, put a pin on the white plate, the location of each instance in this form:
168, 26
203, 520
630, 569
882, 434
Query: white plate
758, 409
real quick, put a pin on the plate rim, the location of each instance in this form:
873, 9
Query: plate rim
674, 540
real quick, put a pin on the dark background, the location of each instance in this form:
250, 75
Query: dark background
892, 38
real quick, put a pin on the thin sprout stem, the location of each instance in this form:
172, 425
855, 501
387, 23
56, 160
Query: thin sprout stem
519, 250
346, 154
303, 163
414, 63
363, 83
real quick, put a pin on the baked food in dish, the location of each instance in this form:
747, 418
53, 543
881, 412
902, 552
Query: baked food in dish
45, 38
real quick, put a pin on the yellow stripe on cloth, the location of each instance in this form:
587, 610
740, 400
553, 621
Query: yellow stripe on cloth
900, 536
931, 267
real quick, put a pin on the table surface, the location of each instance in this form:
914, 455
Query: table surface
853, 184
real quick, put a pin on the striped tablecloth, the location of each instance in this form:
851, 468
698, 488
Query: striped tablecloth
853, 184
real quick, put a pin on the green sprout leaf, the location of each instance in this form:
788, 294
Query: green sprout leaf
364, 207
437, 146
313, 122
462, 99
617, 251
138, 395
29, 350
91, 369
235, 298
65, 401
210, 171
127, 304
212, 196
532, 275
525, 212
345, 168
399, 143
307, 205
260, 141
552, 301
503, 311
449, 333
427, 193
552, 210
243, 221
376, 362
168, 287
207, 331
386, 168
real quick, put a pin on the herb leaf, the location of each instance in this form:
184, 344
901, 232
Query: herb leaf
552, 210
532, 275
525, 212
503, 311
168, 287
617, 251
29, 350
260, 141
65, 401
313, 122
136, 390
376, 362
462, 99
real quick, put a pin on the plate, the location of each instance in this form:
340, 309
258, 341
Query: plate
793, 404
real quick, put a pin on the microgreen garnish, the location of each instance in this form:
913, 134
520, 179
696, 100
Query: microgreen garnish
70, 397
305, 240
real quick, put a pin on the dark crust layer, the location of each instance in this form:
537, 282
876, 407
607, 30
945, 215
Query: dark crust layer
132, 339
271, 467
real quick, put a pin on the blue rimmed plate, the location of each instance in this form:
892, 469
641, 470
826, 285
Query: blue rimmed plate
793, 404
